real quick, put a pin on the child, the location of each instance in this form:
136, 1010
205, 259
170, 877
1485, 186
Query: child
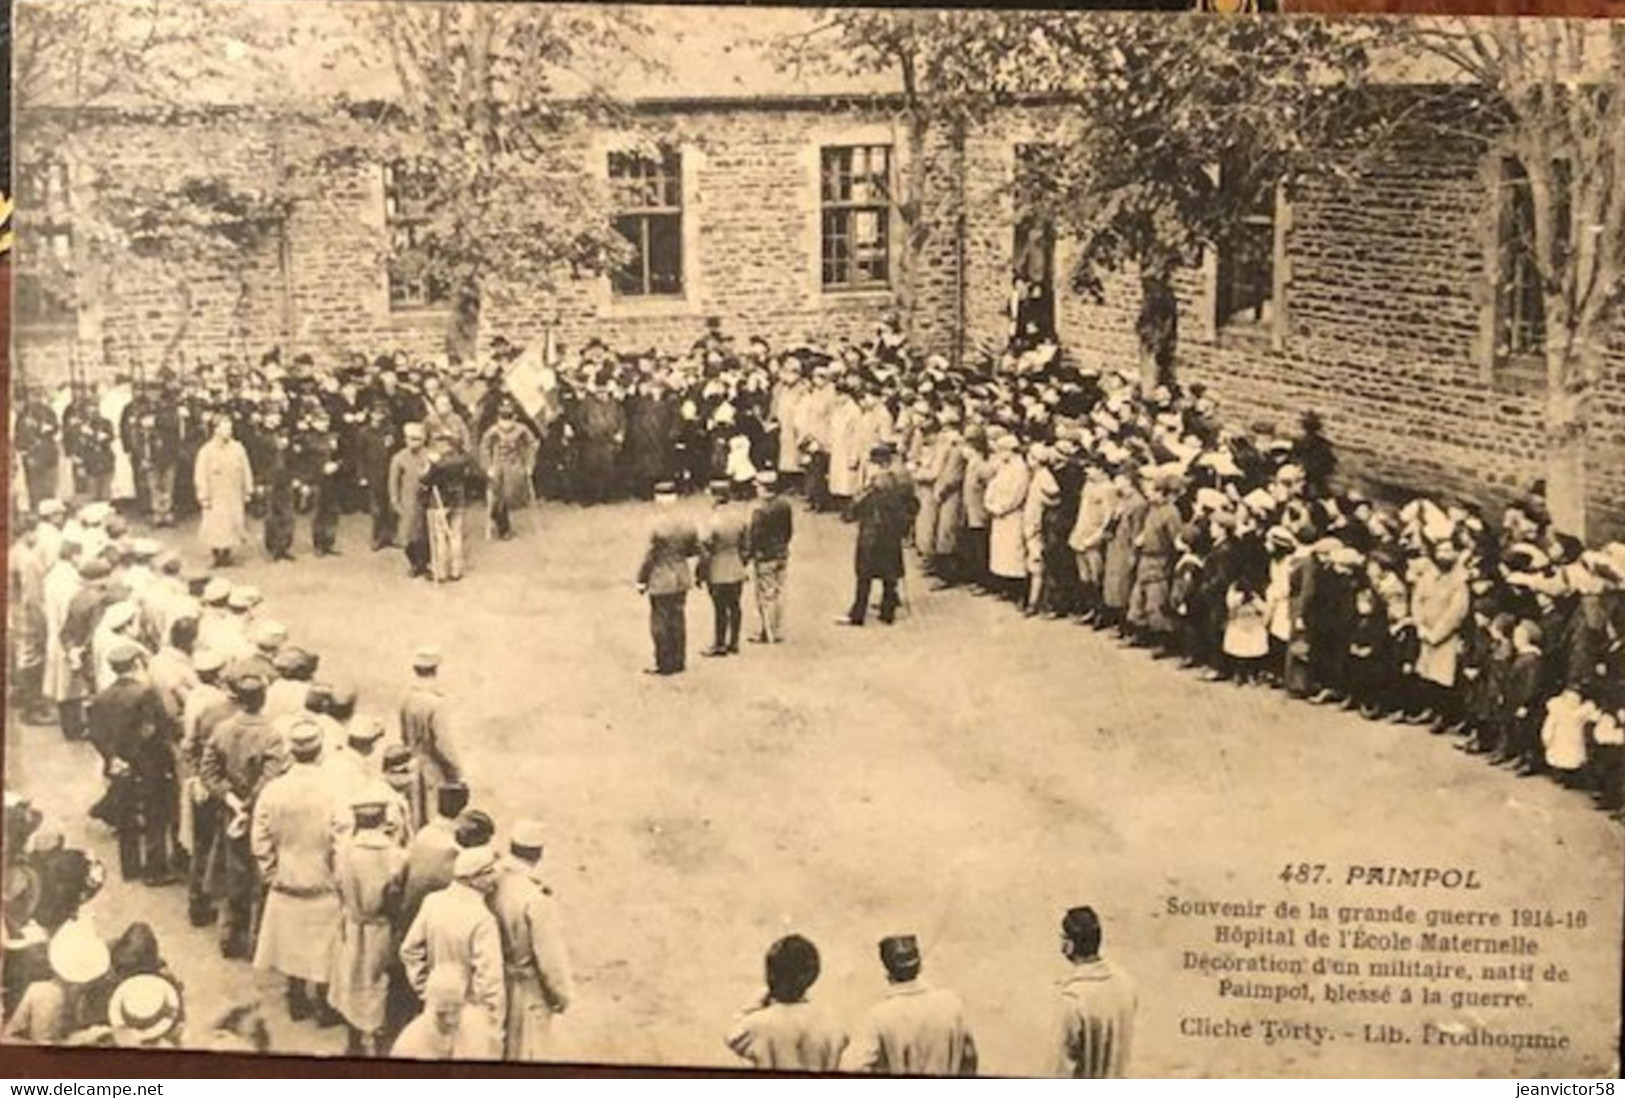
1370, 666
1563, 734
1246, 631
1486, 695
1521, 705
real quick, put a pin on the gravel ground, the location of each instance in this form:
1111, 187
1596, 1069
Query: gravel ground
965, 775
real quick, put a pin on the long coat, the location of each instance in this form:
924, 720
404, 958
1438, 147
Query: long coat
915, 1030
455, 926
950, 493
787, 401
722, 545
539, 982
672, 541
979, 470
508, 455
406, 470
1439, 604
292, 840
846, 451
1094, 1023
223, 481
62, 582
883, 512
367, 871
1121, 555
425, 728
1005, 497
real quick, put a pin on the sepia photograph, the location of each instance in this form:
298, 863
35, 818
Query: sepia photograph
891, 541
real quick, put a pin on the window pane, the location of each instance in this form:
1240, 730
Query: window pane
665, 254
627, 279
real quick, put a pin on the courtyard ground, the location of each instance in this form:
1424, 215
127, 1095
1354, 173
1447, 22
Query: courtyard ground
965, 775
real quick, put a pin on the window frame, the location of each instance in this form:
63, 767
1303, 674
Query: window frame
44, 203
1262, 222
847, 208
432, 296
667, 178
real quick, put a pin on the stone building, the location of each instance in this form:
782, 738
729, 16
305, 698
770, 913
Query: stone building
768, 212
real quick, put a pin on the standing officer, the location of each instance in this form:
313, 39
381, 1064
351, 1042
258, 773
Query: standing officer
664, 577
1095, 1019
537, 965
722, 567
87, 437
884, 511
36, 437
772, 523
322, 469
425, 728
406, 471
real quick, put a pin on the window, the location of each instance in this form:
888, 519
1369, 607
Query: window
855, 196
648, 194
1245, 286
1520, 306
44, 283
1033, 251
408, 197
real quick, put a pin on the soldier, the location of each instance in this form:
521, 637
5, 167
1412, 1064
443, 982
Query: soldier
128, 728
664, 577
537, 966
242, 755
61, 586
321, 473
1095, 1016
508, 453
455, 926
772, 524
783, 1031
87, 438
452, 481
150, 432
425, 728
884, 509
280, 474
36, 437
917, 1029
368, 868
722, 567
432, 851
292, 840
376, 444
406, 470
207, 705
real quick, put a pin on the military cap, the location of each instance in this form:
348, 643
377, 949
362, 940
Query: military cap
124, 656
145, 548
169, 563
119, 615
95, 569
767, 478
50, 508
305, 735
217, 591
881, 451
665, 488
365, 731
473, 862
269, 635
248, 684
414, 431
426, 658
206, 660
244, 598
527, 835
397, 759
94, 514
721, 487
319, 696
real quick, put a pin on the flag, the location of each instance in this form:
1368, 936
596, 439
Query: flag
533, 379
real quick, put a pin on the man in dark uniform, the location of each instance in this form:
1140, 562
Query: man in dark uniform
772, 524
279, 474
151, 432
35, 437
884, 511
376, 446
322, 468
87, 437
664, 577
127, 727
244, 752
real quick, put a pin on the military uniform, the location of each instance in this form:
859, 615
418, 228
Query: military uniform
455, 926
536, 965
915, 1030
1094, 1022
242, 755
425, 728
292, 840
664, 575
36, 437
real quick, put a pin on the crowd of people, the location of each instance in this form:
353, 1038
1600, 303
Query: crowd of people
358, 869
350, 860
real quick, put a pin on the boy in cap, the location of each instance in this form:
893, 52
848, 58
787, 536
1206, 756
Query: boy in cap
1095, 1019
916, 1029
783, 1031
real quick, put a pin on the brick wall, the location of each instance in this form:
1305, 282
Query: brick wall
1382, 318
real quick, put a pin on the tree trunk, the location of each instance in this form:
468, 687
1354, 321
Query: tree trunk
463, 330
1157, 325
1566, 454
